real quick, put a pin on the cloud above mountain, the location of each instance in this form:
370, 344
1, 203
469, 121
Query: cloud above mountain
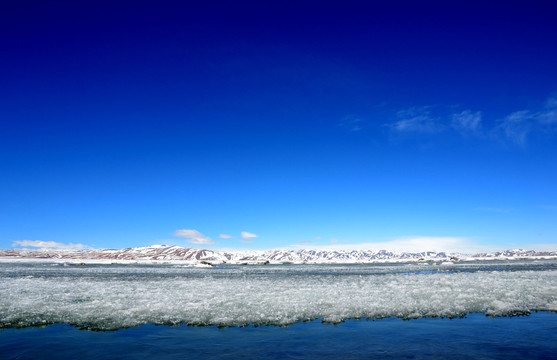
247, 236
193, 236
52, 245
412, 244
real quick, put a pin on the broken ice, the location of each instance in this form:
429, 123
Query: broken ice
116, 296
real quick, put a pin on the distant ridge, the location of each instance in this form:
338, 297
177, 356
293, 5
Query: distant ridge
196, 256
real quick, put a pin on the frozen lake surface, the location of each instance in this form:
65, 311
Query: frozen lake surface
109, 297
49, 309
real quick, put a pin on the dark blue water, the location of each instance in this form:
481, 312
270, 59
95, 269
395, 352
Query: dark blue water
473, 337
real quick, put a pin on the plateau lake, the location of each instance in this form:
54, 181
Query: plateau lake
463, 310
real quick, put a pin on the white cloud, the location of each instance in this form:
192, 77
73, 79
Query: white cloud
449, 244
467, 121
247, 237
541, 247
413, 244
194, 236
334, 241
517, 126
225, 236
48, 245
514, 128
352, 123
548, 115
416, 120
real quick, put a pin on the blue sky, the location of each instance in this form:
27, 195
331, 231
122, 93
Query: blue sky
254, 125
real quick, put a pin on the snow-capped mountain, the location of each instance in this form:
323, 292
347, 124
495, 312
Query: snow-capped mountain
195, 256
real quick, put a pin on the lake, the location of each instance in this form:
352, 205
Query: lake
476, 309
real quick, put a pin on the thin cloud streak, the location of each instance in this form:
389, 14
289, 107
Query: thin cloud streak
517, 126
51, 245
247, 237
467, 121
417, 120
414, 244
514, 128
352, 123
548, 115
194, 236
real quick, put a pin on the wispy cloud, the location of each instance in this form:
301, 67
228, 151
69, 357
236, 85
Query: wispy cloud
429, 243
514, 128
548, 115
247, 236
414, 244
352, 123
225, 236
416, 120
517, 126
467, 121
194, 236
48, 245
541, 247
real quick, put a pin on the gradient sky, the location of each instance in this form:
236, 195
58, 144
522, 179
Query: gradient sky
286, 124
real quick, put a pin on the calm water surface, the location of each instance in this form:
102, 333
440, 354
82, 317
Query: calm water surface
473, 337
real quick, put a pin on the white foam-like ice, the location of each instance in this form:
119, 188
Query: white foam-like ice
110, 297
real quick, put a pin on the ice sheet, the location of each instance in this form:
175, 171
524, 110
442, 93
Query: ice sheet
116, 296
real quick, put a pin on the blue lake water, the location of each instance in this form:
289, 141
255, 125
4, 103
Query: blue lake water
466, 310
473, 337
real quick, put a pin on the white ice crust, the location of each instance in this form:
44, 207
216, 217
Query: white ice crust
116, 296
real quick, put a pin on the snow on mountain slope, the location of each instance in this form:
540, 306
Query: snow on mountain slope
194, 256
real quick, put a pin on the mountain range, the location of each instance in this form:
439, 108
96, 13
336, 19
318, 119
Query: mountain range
277, 256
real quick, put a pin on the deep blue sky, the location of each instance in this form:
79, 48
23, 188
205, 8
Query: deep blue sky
304, 123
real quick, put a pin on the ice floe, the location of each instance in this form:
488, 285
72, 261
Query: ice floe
116, 296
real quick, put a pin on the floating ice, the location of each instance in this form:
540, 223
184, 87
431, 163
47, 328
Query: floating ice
116, 296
